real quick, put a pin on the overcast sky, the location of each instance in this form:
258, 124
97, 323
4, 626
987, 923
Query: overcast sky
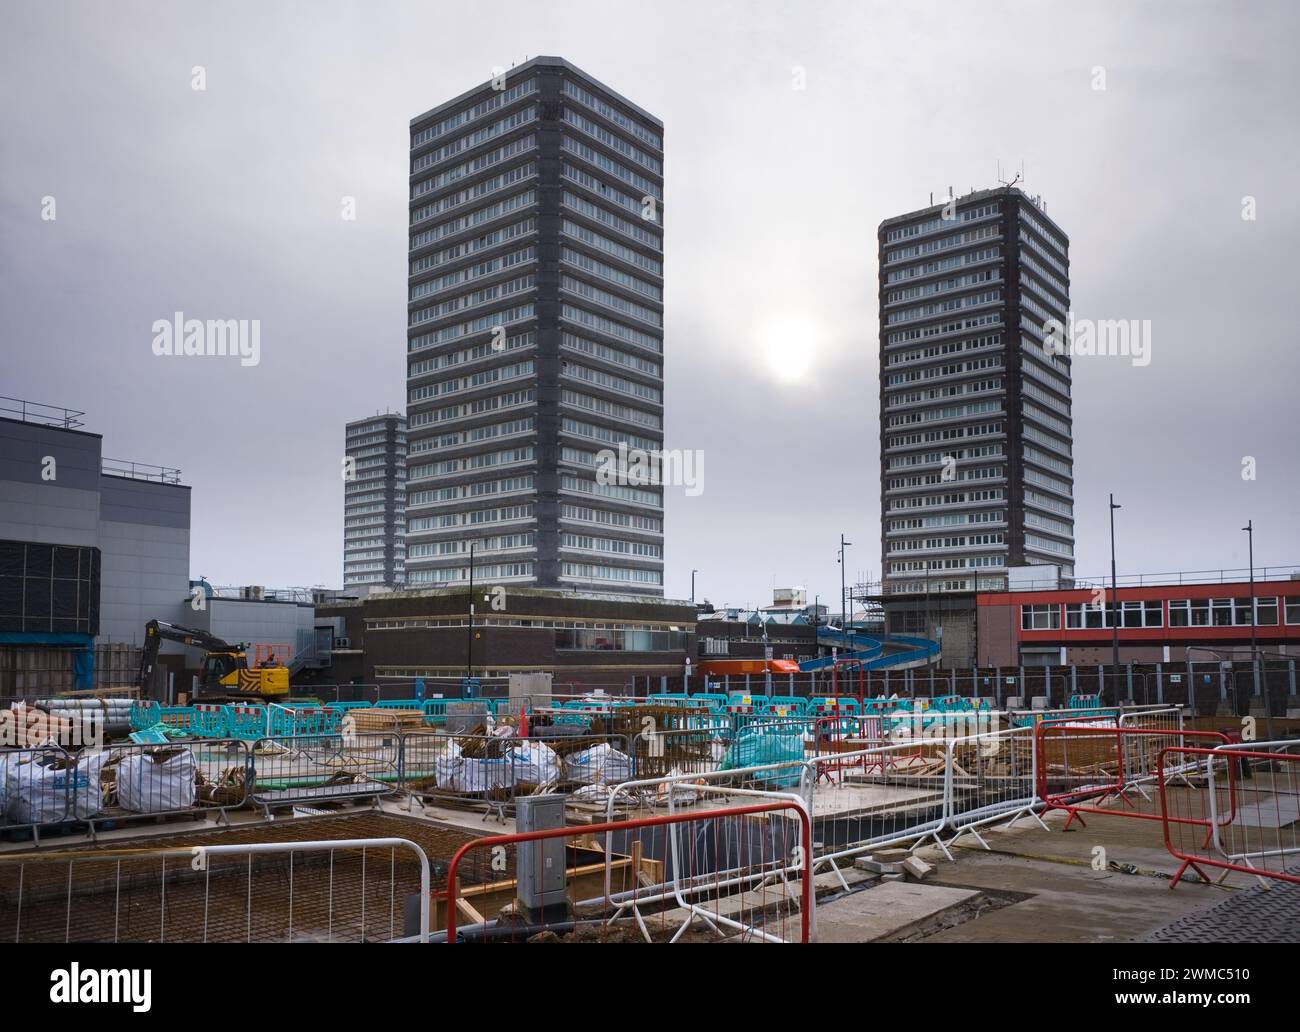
226, 203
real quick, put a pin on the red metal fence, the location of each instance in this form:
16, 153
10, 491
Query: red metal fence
1248, 800
737, 872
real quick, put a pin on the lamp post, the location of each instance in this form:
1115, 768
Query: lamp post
1249, 528
693, 573
469, 642
844, 627
1114, 606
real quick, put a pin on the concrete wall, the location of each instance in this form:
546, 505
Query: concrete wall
144, 535
255, 623
61, 511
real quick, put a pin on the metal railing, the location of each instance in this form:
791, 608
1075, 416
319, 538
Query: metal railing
140, 471
663, 875
39, 413
336, 890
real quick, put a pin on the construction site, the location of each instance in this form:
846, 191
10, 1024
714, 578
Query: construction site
703, 818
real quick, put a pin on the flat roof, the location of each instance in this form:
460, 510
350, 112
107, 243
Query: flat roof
592, 596
536, 62
971, 198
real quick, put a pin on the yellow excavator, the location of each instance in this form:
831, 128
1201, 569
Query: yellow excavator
226, 675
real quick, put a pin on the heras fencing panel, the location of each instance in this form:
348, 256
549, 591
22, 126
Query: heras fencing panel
346, 890
992, 781
329, 768
1233, 808
493, 771
736, 873
49, 789
1083, 764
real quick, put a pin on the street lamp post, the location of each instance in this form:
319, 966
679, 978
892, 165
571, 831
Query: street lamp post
1114, 606
844, 626
693, 573
469, 642
1249, 528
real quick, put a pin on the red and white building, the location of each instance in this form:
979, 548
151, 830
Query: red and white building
1166, 623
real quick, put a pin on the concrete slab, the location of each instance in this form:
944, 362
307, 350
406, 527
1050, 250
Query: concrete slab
886, 910
1066, 903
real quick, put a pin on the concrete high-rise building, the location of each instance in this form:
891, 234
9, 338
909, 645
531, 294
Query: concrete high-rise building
535, 335
975, 418
374, 503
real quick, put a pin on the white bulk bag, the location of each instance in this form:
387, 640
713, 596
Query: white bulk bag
601, 764
155, 782
48, 794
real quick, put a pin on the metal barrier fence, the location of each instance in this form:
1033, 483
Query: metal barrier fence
870, 796
738, 872
495, 770
345, 890
48, 787
1247, 800
327, 768
1081, 764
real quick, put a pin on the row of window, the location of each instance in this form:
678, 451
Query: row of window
943, 264
472, 272
612, 328
466, 248
507, 485
617, 546
474, 218
493, 157
608, 435
609, 518
496, 374
482, 546
581, 150
615, 492
572, 342
482, 460
484, 322
616, 143
612, 409
971, 236
613, 383
572, 89
498, 100
1205, 612
608, 272
460, 574
477, 517
621, 574
984, 297
472, 354
916, 229
596, 213
474, 139
971, 322
474, 435
472, 193
943, 286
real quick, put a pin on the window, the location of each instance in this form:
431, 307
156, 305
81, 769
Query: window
1142, 614
1196, 612
1084, 616
1293, 610
1040, 618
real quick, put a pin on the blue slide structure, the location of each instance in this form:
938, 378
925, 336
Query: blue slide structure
879, 652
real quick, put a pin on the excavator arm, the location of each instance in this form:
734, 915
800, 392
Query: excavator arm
158, 631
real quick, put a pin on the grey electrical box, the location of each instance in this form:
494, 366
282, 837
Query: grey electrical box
540, 863
462, 717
